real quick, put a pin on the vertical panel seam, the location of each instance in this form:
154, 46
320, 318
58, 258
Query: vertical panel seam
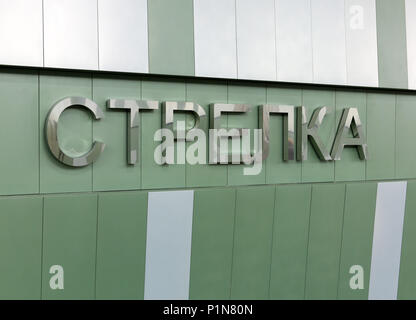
378, 44
141, 135
301, 162
39, 132
145, 244
98, 37
272, 239
43, 34
346, 46
186, 117
263, 162
42, 249
371, 237
145, 238
236, 42
96, 248
228, 101
406, 68
366, 131
190, 249
192, 240
232, 250
307, 244
395, 136
193, 38
266, 162
342, 242
275, 39
311, 25
148, 36
92, 131
335, 128
139, 165
407, 49
194, 35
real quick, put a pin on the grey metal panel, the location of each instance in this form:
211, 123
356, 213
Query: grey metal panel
410, 6
256, 50
21, 40
361, 42
294, 40
168, 245
122, 30
328, 41
215, 38
387, 240
70, 34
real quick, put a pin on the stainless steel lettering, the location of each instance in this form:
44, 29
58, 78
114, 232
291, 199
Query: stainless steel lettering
51, 131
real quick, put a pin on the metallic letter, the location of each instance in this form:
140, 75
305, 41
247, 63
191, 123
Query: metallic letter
167, 116
218, 133
51, 131
350, 120
133, 119
288, 128
304, 131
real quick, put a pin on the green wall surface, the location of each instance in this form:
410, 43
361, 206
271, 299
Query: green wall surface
291, 232
27, 167
391, 43
258, 242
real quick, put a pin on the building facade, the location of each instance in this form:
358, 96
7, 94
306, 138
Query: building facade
308, 228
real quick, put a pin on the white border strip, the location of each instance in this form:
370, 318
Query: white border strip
387, 240
168, 245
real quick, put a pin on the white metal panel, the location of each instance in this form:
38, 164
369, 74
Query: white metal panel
411, 42
122, 31
70, 34
387, 240
215, 38
168, 245
256, 49
294, 40
21, 39
361, 42
328, 42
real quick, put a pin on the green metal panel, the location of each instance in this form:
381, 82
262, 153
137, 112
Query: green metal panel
20, 247
407, 279
204, 93
277, 170
357, 237
19, 161
391, 43
405, 135
381, 136
351, 167
153, 174
254, 95
74, 133
121, 245
252, 243
314, 169
111, 171
171, 37
290, 242
69, 240
212, 243
325, 235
